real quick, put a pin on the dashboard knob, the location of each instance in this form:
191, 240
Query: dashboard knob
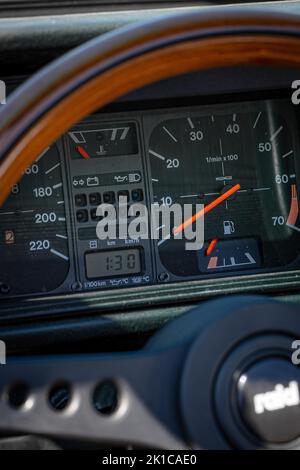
269, 400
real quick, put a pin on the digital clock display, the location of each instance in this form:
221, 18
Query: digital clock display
112, 263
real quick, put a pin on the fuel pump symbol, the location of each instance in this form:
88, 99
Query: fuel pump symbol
228, 227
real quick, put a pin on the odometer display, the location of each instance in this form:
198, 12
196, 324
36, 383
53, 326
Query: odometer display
198, 155
34, 249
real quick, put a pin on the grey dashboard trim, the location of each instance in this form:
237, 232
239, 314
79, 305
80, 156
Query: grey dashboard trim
106, 331
124, 300
64, 31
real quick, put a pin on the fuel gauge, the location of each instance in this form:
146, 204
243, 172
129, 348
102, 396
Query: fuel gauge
229, 255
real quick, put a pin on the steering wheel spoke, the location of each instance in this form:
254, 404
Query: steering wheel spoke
115, 398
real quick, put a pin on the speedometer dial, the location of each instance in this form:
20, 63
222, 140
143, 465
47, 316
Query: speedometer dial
33, 234
240, 166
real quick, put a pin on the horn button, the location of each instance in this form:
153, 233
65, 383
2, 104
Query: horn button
269, 399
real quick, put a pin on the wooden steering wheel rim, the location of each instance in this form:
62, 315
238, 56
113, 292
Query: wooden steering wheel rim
103, 69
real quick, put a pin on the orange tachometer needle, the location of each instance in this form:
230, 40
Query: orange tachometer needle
211, 247
82, 152
207, 209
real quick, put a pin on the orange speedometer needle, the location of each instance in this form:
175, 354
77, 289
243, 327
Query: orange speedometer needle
82, 152
206, 209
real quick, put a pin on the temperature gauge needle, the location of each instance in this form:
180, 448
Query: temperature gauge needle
82, 152
206, 209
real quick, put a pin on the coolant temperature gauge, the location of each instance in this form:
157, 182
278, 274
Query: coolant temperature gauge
107, 140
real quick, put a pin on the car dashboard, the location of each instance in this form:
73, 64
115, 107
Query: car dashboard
150, 229
184, 142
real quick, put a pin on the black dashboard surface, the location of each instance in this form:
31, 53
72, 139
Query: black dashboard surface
27, 42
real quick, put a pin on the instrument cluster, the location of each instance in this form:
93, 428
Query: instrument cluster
231, 171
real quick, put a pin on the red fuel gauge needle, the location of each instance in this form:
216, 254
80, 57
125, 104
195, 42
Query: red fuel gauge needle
207, 209
82, 152
211, 247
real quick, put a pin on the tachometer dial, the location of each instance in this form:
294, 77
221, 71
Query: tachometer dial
198, 158
34, 249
